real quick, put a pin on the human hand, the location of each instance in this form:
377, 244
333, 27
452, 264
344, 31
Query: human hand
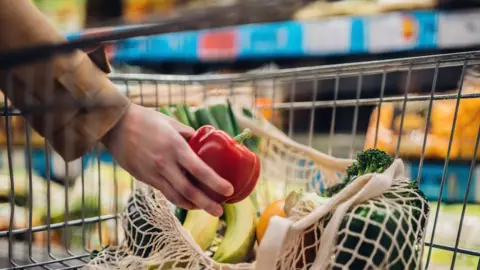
152, 147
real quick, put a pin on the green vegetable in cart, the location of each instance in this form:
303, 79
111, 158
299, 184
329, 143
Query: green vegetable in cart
205, 118
181, 115
191, 117
388, 222
236, 128
368, 161
377, 222
222, 117
140, 233
166, 111
180, 214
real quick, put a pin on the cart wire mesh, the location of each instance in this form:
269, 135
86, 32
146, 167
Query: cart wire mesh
300, 103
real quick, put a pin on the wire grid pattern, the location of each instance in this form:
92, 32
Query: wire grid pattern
369, 237
71, 259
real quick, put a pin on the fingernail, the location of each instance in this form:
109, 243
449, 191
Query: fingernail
229, 190
217, 210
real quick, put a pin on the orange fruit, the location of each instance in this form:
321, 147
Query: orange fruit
274, 209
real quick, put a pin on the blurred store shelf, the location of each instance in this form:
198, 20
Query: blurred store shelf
334, 36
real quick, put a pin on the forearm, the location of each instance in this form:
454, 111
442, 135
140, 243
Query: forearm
84, 104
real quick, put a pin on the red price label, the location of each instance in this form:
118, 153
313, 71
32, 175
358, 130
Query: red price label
410, 28
218, 45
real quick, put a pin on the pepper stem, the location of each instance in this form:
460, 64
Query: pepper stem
246, 133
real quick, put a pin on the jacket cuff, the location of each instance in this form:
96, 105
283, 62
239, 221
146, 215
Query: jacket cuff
101, 106
87, 127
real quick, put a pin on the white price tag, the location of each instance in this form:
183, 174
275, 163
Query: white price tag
391, 32
459, 29
327, 36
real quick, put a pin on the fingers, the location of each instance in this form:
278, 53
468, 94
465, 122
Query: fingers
184, 130
171, 194
178, 181
202, 172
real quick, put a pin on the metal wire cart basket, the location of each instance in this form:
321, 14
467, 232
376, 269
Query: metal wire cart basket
53, 214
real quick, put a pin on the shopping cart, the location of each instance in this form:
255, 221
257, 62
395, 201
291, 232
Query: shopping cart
68, 241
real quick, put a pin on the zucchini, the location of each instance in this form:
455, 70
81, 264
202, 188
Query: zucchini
166, 111
236, 128
180, 214
220, 113
139, 234
191, 118
247, 112
180, 115
204, 117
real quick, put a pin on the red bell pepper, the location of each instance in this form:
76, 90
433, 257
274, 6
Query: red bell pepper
229, 158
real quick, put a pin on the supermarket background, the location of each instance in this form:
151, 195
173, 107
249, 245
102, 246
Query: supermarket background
285, 34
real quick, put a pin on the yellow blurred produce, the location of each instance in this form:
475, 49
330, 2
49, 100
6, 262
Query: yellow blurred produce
441, 122
137, 10
66, 15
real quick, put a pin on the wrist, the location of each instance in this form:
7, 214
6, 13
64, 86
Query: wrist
116, 129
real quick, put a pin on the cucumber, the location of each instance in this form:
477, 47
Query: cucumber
220, 113
204, 117
180, 214
166, 111
236, 128
191, 118
141, 234
247, 112
180, 115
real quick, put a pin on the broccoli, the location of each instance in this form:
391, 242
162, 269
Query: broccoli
377, 223
368, 161
330, 191
373, 161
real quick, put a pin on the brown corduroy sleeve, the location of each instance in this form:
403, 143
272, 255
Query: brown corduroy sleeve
68, 99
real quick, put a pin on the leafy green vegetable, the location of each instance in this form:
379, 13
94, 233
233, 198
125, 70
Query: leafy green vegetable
368, 161
372, 161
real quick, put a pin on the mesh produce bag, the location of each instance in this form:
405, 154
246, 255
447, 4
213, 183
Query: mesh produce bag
376, 222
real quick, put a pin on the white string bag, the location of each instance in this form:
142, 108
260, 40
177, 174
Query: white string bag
340, 234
